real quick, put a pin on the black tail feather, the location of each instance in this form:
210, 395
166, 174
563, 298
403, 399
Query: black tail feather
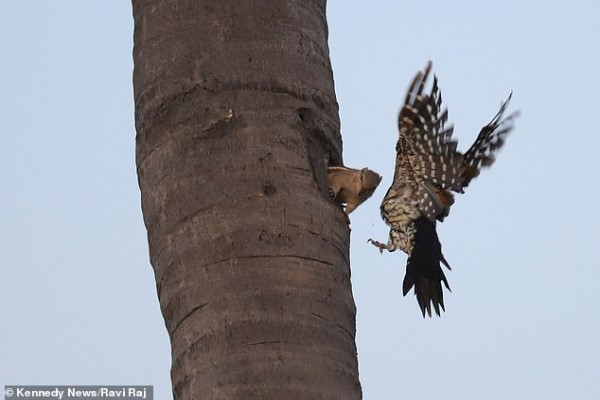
423, 270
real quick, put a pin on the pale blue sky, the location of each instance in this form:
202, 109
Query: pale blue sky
78, 303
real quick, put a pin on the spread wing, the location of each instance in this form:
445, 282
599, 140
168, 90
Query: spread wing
426, 151
490, 139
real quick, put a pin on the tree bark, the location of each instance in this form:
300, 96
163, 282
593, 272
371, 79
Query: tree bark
236, 121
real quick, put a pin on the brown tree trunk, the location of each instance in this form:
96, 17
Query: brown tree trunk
236, 119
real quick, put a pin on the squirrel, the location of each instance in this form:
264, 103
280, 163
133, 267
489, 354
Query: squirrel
351, 186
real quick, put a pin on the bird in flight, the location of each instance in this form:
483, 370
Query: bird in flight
428, 169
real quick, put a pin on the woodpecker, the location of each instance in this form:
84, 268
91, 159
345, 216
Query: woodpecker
428, 169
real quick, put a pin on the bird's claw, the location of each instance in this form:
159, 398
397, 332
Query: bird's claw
377, 244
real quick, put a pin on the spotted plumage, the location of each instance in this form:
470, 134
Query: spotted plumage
428, 169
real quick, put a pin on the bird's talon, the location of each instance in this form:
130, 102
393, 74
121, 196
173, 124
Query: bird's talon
377, 244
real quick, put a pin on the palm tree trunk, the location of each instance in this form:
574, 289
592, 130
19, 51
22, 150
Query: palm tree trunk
236, 120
